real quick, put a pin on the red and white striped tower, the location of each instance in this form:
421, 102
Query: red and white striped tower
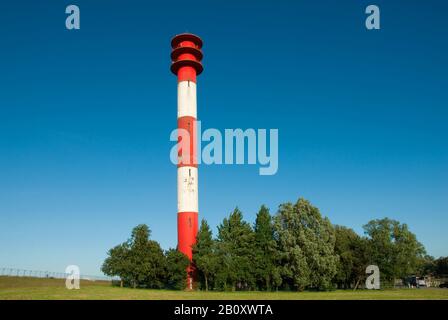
186, 59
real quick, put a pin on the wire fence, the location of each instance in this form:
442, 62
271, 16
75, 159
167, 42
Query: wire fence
14, 272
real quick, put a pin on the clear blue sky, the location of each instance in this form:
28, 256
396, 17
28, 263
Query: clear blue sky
85, 118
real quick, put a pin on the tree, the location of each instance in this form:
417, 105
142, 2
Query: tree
138, 261
117, 262
353, 257
306, 244
176, 265
146, 258
235, 247
426, 266
204, 254
267, 272
441, 266
393, 248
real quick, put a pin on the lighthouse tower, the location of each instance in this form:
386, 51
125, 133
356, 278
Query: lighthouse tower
186, 56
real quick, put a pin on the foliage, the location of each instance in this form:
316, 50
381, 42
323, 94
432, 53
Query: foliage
146, 259
204, 255
426, 266
176, 264
393, 248
117, 262
235, 251
295, 249
266, 252
140, 262
353, 257
441, 266
306, 243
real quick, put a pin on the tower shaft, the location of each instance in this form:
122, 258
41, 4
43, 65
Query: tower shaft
186, 57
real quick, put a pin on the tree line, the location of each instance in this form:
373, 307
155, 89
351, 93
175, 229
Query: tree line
141, 262
295, 249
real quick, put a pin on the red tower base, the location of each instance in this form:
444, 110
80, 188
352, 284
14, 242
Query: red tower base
187, 228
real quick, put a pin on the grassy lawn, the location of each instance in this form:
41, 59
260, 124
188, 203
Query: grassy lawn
51, 289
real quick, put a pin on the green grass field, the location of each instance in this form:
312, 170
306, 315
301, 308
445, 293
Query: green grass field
54, 289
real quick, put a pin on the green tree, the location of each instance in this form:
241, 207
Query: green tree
306, 243
176, 265
426, 266
441, 266
204, 254
117, 263
139, 261
353, 257
235, 246
268, 274
146, 258
393, 248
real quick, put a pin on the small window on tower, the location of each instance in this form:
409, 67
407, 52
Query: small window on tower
189, 172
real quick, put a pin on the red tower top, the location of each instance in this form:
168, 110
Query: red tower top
186, 56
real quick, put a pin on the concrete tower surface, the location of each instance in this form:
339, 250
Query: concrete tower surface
186, 56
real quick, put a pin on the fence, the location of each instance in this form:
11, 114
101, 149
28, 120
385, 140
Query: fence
14, 272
